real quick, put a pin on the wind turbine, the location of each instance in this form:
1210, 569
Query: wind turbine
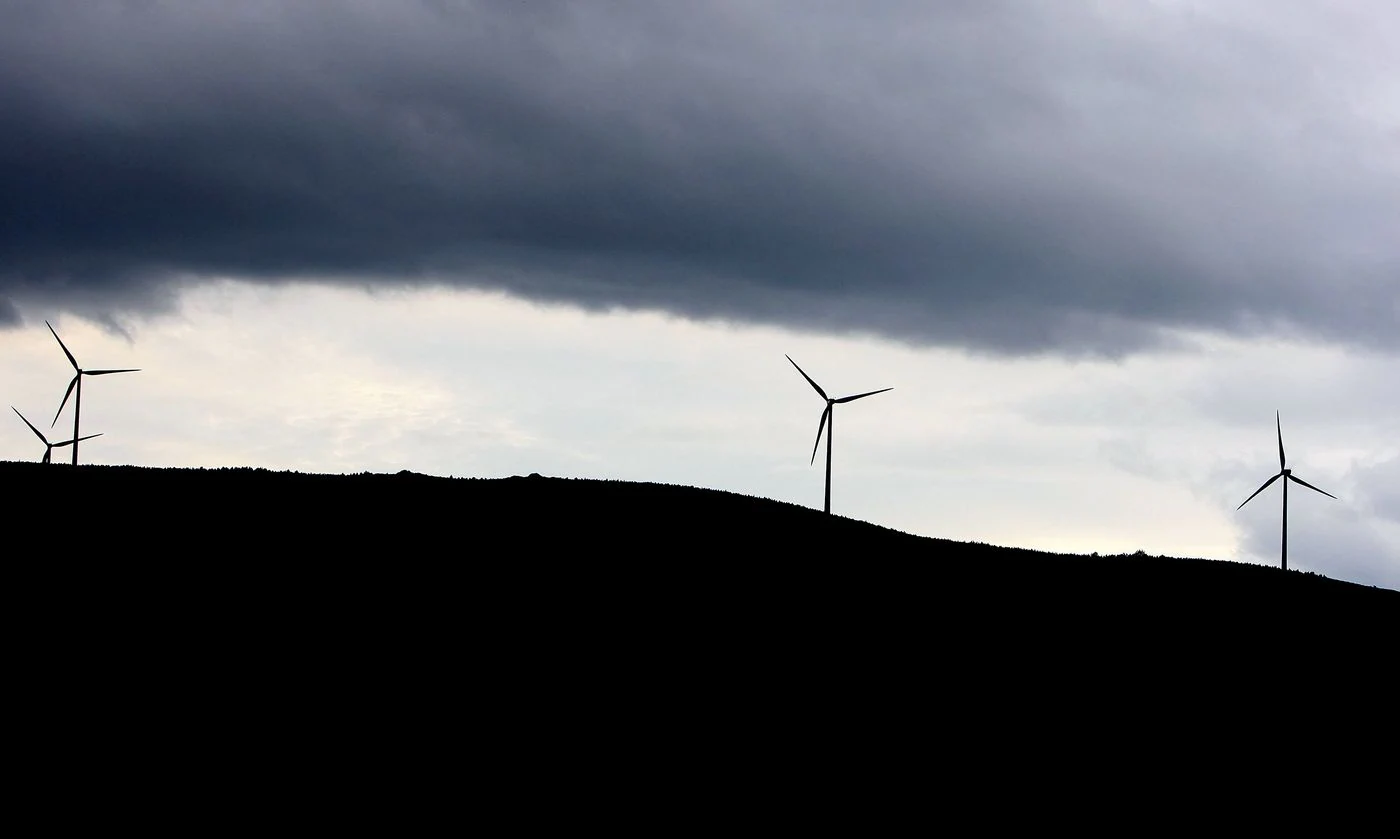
48, 447
78, 383
1287, 475
828, 422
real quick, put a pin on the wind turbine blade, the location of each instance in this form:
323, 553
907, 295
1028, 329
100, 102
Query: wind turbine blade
65, 400
815, 386
861, 395
80, 439
71, 360
1260, 489
820, 427
31, 425
1298, 480
104, 372
1279, 425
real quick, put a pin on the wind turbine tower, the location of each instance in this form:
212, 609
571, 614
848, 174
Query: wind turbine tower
828, 422
1287, 475
48, 447
77, 383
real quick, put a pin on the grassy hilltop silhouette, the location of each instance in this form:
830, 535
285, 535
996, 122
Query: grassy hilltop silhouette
379, 631
675, 535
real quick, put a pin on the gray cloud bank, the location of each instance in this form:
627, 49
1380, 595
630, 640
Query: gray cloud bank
1010, 177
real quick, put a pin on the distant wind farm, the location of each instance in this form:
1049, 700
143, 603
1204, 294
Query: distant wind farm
825, 427
463, 439
1089, 247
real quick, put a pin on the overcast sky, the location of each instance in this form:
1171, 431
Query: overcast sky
1092, 247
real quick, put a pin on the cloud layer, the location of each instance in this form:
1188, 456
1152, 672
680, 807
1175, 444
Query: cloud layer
1007, 177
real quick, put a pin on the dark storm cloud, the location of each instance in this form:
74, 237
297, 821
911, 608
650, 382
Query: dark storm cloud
1004, 176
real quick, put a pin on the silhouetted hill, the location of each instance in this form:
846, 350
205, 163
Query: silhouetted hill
631, 544
307, 635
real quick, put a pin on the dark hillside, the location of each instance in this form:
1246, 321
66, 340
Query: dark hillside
624, 542
301, 635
